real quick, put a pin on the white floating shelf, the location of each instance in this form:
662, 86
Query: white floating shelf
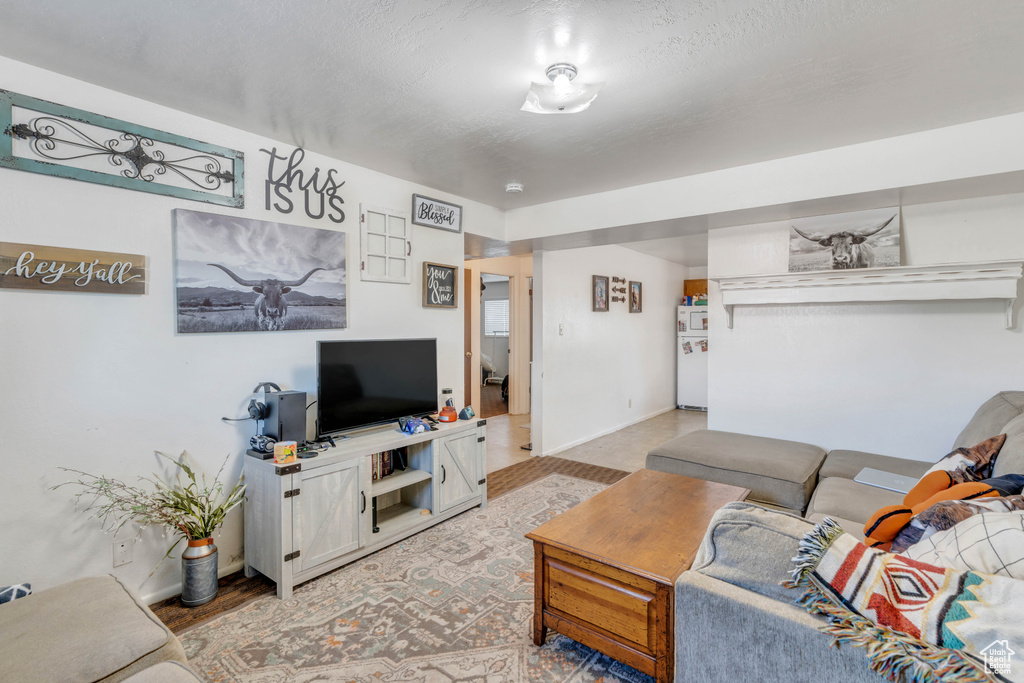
950, 281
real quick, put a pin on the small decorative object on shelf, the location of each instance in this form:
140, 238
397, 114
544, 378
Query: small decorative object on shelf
186, 507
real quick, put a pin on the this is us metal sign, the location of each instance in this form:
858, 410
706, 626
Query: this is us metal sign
33, 266
433, 213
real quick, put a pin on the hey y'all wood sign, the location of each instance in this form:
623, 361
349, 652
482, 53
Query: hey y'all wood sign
33, 266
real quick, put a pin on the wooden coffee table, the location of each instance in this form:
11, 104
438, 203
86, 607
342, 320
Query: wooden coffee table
605, 570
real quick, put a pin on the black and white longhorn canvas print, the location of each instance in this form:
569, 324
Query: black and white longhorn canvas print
862, 239
242, 275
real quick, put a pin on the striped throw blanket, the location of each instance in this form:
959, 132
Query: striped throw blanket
917, 622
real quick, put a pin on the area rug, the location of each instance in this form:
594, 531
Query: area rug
453, 603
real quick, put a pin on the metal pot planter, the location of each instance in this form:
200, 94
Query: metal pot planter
199, 572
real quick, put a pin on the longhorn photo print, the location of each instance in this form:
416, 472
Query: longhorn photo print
863, 239
242, 275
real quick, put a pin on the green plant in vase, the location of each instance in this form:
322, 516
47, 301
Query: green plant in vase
189, 507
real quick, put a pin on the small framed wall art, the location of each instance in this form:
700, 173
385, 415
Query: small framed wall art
440, 286
599, 293
636, 297
433, 213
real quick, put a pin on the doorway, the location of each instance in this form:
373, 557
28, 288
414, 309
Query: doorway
495, 324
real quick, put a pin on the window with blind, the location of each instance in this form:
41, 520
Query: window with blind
496, 318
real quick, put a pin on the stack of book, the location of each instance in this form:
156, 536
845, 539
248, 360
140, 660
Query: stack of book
386, 462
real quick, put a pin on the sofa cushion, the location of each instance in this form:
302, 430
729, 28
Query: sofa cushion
848, 464
846, 499
751, 547
778, 472
849, 526
92, 629
1011, 455
991, 417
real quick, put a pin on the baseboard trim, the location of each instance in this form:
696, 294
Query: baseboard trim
578, 442
175, 589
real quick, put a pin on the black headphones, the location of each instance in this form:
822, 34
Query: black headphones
257, 409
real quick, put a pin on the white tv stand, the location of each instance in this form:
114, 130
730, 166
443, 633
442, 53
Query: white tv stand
314, 515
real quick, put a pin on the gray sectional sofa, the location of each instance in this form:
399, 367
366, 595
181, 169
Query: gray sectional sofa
92, 629
733, 619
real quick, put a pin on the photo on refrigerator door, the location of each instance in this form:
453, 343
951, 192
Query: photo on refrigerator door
687, 347
703, 345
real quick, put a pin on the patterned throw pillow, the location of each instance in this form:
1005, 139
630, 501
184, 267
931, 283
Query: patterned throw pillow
8, 593
990, 543
970, 464
947, 514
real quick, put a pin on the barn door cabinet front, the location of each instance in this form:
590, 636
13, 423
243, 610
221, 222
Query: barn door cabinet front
328, 513
300, 517
462, 467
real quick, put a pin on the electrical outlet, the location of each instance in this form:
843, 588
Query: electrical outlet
561, 328
122, 552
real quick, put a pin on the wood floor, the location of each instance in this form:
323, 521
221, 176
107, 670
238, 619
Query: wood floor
235, 590
491, 403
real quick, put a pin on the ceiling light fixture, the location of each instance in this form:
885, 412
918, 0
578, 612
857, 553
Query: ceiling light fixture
514, 187
564, 95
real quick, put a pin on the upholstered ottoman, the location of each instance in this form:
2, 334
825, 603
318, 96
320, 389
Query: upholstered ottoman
88, 630
778, 473
165, 672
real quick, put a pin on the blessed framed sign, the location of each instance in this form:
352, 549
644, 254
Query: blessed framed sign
433, 213
440, 286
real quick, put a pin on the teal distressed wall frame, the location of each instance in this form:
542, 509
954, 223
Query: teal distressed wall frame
66, 142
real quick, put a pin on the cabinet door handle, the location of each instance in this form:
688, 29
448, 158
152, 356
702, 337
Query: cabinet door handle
363, 493
444, 475
409, 253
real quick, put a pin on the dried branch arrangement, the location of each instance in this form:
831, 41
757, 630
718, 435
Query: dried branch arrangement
188, 507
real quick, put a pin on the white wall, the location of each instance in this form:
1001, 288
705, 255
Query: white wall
495, 347
895, 378
601, 361
99, 382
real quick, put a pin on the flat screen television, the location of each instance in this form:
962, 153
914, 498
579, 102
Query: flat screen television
361, 383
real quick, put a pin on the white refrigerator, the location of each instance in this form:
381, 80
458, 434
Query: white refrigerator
692, 357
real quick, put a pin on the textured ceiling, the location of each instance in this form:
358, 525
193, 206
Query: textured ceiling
431, 91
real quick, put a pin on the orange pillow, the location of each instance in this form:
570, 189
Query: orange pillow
887, 522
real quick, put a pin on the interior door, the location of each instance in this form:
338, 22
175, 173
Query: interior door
460, 468
327, 513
